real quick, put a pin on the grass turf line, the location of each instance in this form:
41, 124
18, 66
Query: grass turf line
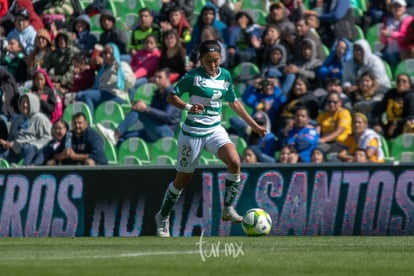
181, 256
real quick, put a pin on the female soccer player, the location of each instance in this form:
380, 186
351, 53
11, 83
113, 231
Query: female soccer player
207, 86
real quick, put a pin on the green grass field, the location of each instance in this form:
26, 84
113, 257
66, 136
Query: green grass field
221, 255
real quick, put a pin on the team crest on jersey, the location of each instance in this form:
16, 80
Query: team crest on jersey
216, 94
184, 162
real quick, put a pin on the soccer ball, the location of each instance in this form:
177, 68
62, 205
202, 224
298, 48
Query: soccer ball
256, 222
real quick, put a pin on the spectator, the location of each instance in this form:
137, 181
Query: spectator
276, 66
178, 22
224, 11
83, 78
4, 7
303, 136
14, 60
303, 32
409, 42
308, 63
10, 96
109, 83
50, 103
172, 55
393, 32
34, 20
29, 132
146, 26
167, 6
332, 66
300, 95
244, 40
263, 95
364, 138
46, 153
40, 53
337, 20
207, 17
278, 15
59, 62
367, 96
23, 31
84, 147
284, 154
83, 39
144, 64
334, 124
160, 119
111, 34
333, 85
318, 156
295, 9
398, 106
363, 60
360, 156
270, 38
251, 155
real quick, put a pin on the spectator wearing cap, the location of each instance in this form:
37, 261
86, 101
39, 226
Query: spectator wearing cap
23, 31
244, 40
393, 32
111, 34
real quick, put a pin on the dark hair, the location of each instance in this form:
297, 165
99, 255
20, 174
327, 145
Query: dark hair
80, 58
209, 46
166, 71
78, 115
61, 120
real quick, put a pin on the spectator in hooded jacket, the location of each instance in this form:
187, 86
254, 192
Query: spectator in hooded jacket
29, 132
363, 60
332, 67
23, 31
207, 17
34, 20
109, 83
111, 34
10, 95
59, 62
84, 40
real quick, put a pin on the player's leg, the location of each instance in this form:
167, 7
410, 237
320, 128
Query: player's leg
187, 159
228, 154
220, 144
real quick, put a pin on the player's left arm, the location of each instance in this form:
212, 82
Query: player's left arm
238, 107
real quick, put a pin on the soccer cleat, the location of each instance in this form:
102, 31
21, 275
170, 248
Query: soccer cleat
109, 134
229, 213
163, 225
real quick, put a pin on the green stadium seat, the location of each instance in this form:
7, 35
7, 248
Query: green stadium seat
244, 71
134, 146
359, 32
373, 36
4, 163
259, 16
239, 142
130, 160
405, 66
164, 146
76, 107
162, 160
109, 111
254, 5
145, 92
110, 152
401, 145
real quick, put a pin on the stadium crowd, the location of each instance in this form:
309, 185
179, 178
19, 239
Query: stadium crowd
323, 76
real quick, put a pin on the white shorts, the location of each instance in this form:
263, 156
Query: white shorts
190, 148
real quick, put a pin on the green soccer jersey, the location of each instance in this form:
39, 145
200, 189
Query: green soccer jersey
208, 91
